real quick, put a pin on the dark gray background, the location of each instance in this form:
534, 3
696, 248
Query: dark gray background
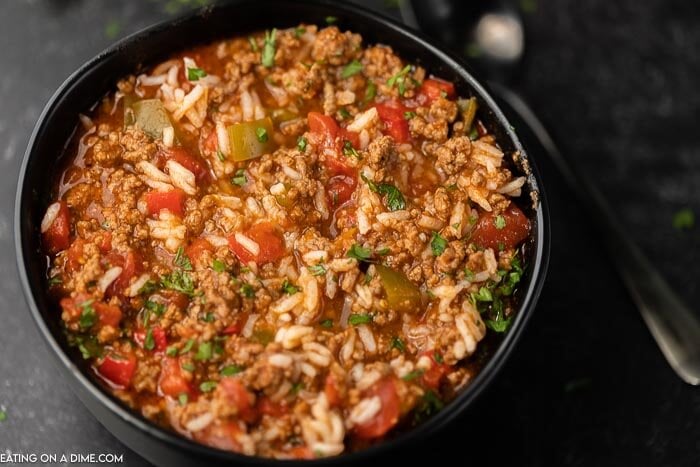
616, 82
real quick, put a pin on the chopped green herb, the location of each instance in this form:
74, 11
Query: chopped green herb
331, 19
299, 31
289, 288
207, 386
248, 291
327, 323
218, 265
179, 281
155, 307
499, 324
268, 53
183, 398
359, 318
188, 346
317, 270
181, 260
437, 356
204, 351
344, 113
55, 280
209, 317
399, 79
349, 151
483, 295
88, 317
301, 143
394, 198
499, 222
398, 344
370, 92
261, 134
171, 351
428, 406
359, 253
149, 342
296, 387
88, 346
438, 244
474, 133
230, 370
194, 74
187, 367
383, 251
413, 375
148, 288
220, 155
409, 114
351, 69
253, 43
239, 178
684, 219
501, 246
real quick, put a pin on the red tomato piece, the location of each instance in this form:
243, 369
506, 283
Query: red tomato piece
74, 255
196, 249
160, 339
211, 143
392, 113
266, 406
193, 163
330, 388
433, 376
117, 369
388, 415
106, 244
178, 299
433, 88
173, 201
71, 306
323, 125
352, 136
301, 452
238, 396
110, 315
171, 381
131, 265
340, 188
232, 330
506, 229
57, 236
222, 435
268, 238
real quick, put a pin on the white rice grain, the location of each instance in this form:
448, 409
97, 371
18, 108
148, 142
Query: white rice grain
134, 288
363, 120
247, 330
168, 136
247, 243
189, 101
109, 276
200, 422
181, 177
280, 360
50, 216
365, 410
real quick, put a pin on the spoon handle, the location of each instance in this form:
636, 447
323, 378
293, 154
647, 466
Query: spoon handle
673, 325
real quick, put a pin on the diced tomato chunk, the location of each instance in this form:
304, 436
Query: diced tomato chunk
193, 163
160, 340
238, 396
178, 299
172, 382
330, 388
323, 125
131, 264
117, 369
266, 406
388, 415
269, 240
57, 236
432, 377
433, 88
340, 188
392, 113
72, 308
173, 201
106, 244
301, 452
223, 435
196, 249
74, 255
505, 230
109, 315
352, 136
231, 330
211, 144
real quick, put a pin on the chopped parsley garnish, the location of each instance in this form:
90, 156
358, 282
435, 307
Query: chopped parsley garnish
413, 375
483, 295
88, 346
474, 133
317, 270
181, 260
171, 351
684, 219
220, 155
499, 222
383, 251
148, 288
188, 346
370, 92
438, 358
194, 74
88, 317
359, 253
351, 69
55, 280
349, 151
296, 387
394, 198
327, 323
399, 80
437, 244
468, 274
299, 31
499, 324
178, 281
398, 344
207, 386
230, 370
427, 407
301, 143
253, 43
409, 114
268, 52
149, 342
204, 351
344, 113
357, 319
289, 288
183, 398
187, 367
261, 134
331, 19
218, 265
155, 307
239, 178
247, 291
209, 317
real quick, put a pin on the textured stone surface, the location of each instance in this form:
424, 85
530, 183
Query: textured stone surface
614, 81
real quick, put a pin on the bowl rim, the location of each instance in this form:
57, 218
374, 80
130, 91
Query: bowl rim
539, 258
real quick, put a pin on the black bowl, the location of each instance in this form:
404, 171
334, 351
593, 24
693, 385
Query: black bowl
97, 77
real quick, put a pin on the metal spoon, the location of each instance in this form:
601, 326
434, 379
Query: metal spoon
497, 31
